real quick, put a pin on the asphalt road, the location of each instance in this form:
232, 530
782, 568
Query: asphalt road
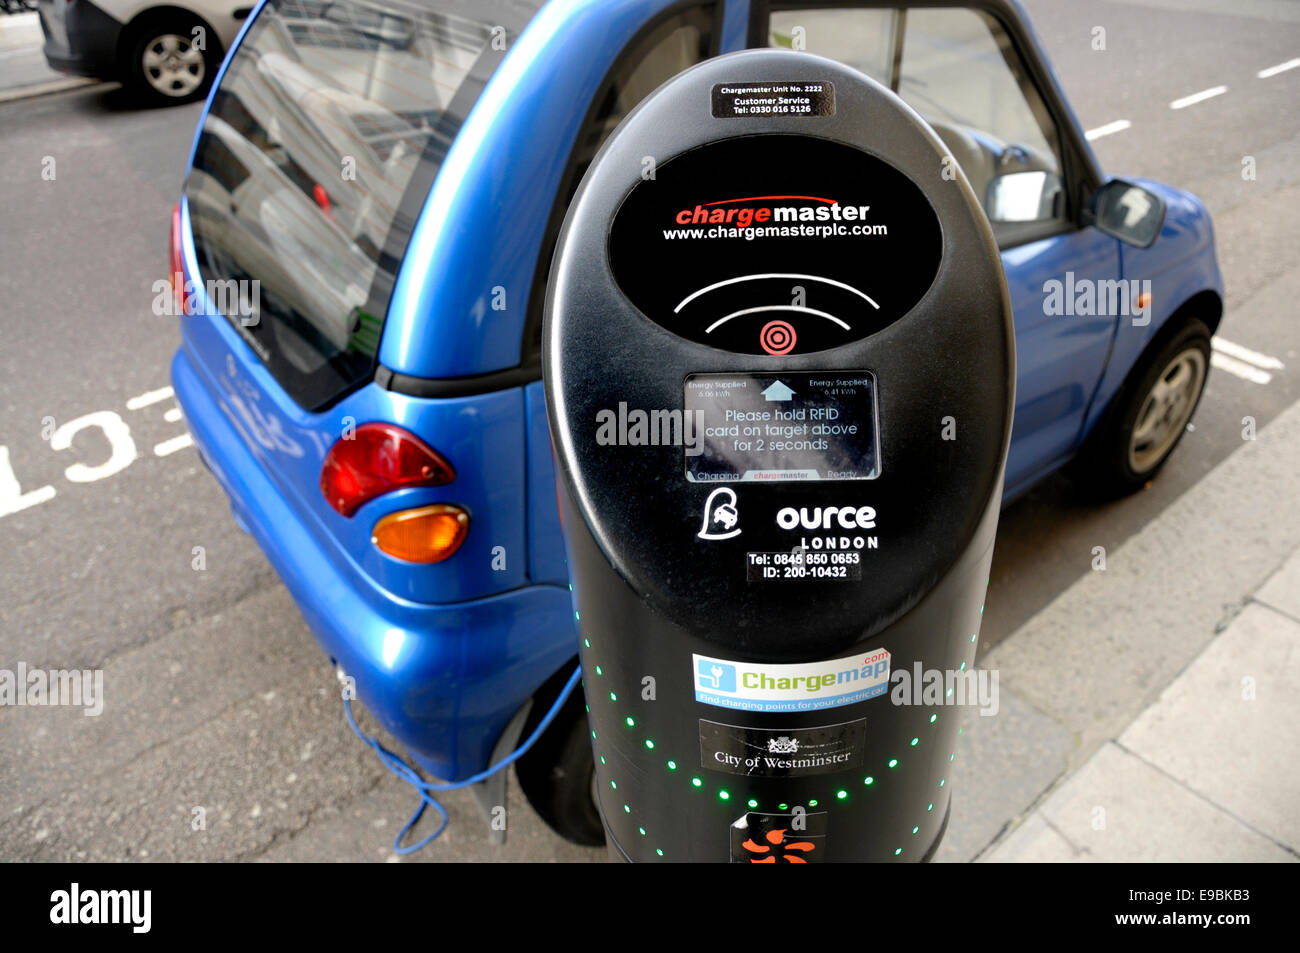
220, 701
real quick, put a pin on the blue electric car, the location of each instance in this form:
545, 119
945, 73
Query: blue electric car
363, 246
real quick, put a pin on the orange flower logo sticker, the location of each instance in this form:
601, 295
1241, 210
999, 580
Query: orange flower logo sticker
777, 849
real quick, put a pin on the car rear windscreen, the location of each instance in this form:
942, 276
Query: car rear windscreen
314, 161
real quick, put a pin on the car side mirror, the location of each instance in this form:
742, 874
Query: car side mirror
1127, 212
1032, 196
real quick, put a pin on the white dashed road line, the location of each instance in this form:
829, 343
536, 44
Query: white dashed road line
1200, 97
1279, 68
1119, 125
1243, 362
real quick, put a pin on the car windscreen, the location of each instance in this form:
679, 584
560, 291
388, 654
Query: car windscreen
313, 163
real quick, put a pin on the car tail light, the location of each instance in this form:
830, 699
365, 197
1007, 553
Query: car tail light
426, 535
377, 459
177, 259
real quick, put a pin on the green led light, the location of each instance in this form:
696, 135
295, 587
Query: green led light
893, 762
613, 697
812, 803
962, 667
588, 707
576, 616
933, 719
659, 851
593, 734
587, 642
649, 743
868, 780
626, 809
724, 795
960, 730
642, 830
841, 794
696, 783
981, 610
952, 756
973, 635
915, 742
631, 722
898, 851
915, 829
602, 759
783, 807
752, 803
614, 785
672, 765
929, 807
599, 670
950, 693
942, 781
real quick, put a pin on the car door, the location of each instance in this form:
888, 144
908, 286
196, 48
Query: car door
979, 82
680, 38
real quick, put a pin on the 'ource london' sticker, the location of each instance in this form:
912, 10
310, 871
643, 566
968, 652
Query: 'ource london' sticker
807, 686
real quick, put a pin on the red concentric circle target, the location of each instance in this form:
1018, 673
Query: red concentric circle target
777, 337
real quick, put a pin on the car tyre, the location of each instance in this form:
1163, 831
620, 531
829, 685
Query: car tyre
166, 66
558, 773
1148, 417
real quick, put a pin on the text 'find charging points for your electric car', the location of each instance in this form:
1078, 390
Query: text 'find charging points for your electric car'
749, 356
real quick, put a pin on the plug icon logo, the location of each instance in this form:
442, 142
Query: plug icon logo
720, 511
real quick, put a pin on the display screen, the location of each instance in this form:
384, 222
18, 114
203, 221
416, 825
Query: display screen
791, 426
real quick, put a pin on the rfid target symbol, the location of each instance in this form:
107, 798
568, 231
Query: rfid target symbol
777, 337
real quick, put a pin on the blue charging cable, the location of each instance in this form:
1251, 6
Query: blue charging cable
394, 763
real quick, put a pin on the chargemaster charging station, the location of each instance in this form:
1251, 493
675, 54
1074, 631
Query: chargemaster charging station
779, 366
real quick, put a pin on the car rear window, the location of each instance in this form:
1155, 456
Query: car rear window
314, 161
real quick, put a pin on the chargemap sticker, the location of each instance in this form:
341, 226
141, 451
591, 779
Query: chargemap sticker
732, 100
809, 686
782, 753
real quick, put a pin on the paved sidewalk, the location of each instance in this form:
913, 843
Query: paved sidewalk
1149, 713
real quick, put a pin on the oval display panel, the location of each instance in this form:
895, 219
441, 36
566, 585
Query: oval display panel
775, 244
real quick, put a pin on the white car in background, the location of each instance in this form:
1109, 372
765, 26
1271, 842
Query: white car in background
167, 52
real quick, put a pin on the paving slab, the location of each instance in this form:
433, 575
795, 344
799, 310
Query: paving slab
1119, 808
1227, 728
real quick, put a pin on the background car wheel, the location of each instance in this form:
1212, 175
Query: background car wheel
1148, 417
166, 64
558, 773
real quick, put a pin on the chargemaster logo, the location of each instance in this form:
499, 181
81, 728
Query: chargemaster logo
809, 686
774, 216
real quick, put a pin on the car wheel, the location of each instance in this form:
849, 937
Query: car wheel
166, 63
558, 774
1148, 417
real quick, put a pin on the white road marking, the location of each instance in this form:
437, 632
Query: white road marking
1263, 361
173, 415
1200, 97
148, 397
171, 446
1239, 368
1279, 68
12, 497
1119, 125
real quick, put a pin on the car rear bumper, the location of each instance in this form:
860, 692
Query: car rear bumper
443, 679
80, 38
